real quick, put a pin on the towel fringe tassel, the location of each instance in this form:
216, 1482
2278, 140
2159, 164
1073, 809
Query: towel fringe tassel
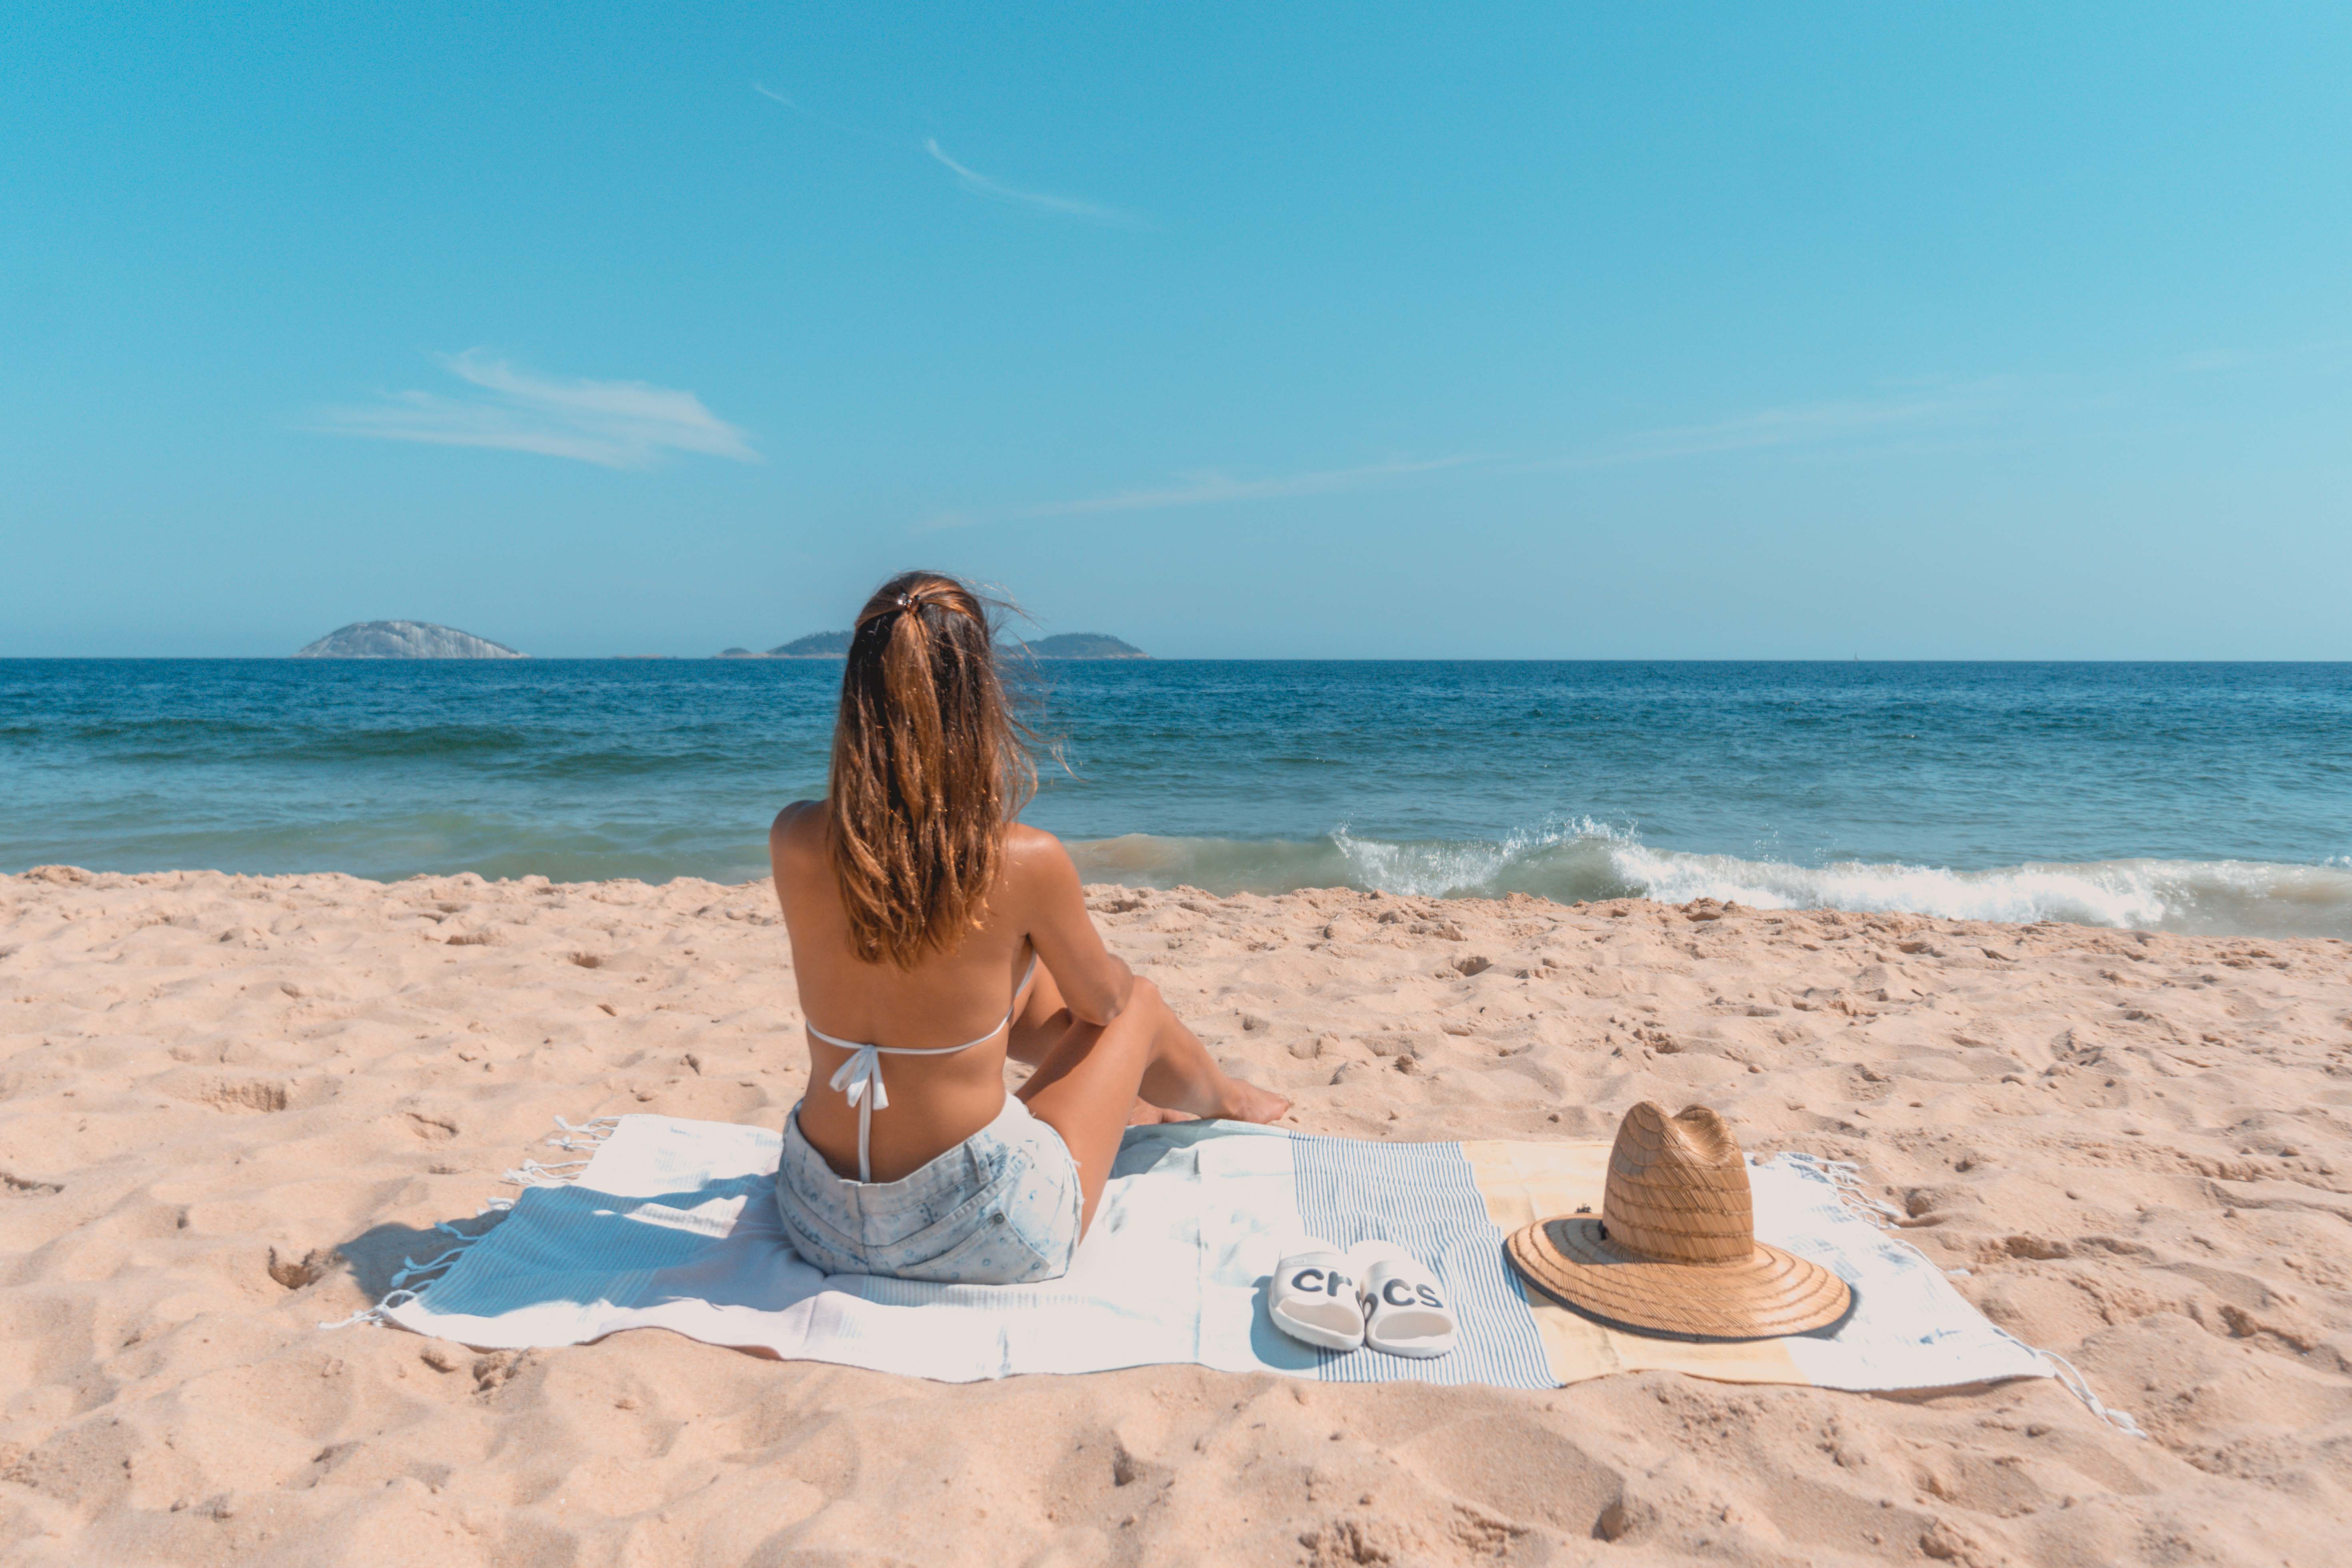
364, 1315
531, 1174
402, 1292
587, 1134
1845, 1176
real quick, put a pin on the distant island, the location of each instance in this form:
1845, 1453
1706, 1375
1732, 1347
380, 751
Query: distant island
404, 639
817, 644
1083, 645
1068, 645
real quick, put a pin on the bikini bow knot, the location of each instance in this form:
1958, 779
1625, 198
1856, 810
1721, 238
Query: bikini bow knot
861, 1073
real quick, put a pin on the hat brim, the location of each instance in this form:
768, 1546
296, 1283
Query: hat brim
1770, 1294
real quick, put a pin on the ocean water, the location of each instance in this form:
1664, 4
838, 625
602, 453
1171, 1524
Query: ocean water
2213, 798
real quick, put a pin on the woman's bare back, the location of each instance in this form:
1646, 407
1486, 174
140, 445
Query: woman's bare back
1096, 1033
948, 999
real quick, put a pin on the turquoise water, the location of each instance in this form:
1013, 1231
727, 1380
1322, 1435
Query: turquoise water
2188, 798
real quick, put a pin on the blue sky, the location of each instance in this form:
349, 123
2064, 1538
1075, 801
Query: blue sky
1516, 331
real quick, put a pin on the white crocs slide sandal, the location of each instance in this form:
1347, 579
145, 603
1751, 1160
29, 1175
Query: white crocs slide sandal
1316, 1297
1404, 1308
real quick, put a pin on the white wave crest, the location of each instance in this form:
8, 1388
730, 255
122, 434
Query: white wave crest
2210, 897
2108, 896
1574, 861
1460, 867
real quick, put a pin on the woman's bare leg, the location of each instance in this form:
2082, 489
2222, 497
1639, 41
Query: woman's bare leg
1044, 1019
1038, 1026
1087, 1081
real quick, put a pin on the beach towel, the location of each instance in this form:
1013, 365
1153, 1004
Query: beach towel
671, 1224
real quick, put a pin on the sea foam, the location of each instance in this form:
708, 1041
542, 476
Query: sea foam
1583, 861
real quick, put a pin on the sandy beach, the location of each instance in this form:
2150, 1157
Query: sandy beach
232, 1104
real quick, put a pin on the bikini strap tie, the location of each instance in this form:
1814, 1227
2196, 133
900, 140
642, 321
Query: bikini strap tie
862, 1075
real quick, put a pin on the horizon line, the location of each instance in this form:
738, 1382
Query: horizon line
1125, 660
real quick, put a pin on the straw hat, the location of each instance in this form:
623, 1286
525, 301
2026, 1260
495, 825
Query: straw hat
1675, 1250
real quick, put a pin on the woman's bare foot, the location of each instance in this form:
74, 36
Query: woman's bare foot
1244, 1101
1241, 1102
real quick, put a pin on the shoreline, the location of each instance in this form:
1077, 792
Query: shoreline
218, 1088
2166, 889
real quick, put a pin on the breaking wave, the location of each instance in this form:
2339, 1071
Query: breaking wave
1585, 861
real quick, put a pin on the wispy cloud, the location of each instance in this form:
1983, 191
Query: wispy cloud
981, 184
971, 179
1896, 421
1211, 490
828, 122
1812, 423
614, 423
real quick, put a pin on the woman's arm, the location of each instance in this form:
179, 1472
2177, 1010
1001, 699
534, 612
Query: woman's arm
791, 842
1095, 986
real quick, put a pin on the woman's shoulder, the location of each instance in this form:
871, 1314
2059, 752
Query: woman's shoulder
1028, 848
800, 827
1036, 866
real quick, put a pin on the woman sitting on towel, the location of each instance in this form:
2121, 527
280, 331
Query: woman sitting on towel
933, 936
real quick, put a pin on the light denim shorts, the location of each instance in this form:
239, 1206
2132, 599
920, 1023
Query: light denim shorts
1001, 1207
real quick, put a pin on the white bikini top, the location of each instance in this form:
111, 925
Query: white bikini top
859, 1079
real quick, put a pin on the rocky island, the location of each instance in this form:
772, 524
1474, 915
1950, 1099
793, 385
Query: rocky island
1068, 645
817, 644
1083, 644
404, 639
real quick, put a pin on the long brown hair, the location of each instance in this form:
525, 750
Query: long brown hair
929, 766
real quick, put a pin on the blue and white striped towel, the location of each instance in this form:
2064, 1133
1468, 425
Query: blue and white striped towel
672, 1225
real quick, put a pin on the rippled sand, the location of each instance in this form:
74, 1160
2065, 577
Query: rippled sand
232, 1104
